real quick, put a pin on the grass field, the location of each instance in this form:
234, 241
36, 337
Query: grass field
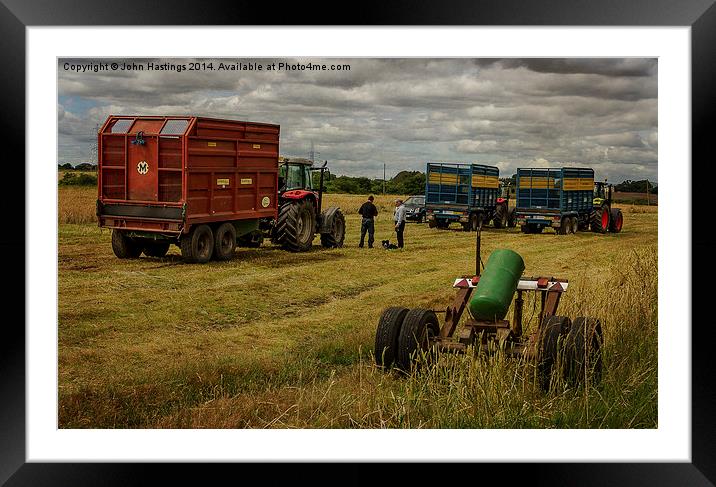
279, 340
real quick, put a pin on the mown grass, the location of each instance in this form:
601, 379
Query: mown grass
280, 340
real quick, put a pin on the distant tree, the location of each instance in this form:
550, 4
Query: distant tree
66, 166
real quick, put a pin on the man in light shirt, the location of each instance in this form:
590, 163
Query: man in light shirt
399, 219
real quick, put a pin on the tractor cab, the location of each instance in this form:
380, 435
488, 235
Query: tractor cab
295, 174
602, 193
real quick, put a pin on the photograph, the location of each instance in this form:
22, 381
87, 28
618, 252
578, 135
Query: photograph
358, 243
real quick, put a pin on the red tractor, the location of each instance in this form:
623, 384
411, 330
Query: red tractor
300, 214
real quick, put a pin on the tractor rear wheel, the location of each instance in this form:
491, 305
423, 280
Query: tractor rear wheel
419, 326
386, 336
599, 219
335, 237
296, 225
511, 220
156, 249
583, 351
125, 247
225, 241
616, 221
550, 342
500, 219
198, 245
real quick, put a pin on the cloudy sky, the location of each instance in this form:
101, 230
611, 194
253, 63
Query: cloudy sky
510, 113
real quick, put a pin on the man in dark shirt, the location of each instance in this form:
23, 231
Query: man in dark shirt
368, 211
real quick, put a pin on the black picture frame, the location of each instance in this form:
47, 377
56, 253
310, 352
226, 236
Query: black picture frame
16, 15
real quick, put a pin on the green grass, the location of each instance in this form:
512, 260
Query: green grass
274, 339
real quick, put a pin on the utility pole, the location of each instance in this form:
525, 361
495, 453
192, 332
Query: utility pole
384, 178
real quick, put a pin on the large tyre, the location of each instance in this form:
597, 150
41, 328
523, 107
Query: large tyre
564, 226
198, 245
156, 249
432, 223
419, 325
616, 221
443, 223
599, 219
225, 241
125, 247
511, 217
296, 225
583, 351
500, 219
337, 235
386, 336
574, 224
550, 344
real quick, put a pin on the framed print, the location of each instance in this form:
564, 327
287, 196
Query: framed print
223, 214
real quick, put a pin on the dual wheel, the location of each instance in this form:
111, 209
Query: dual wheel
570, 224
570, 349
403, 336
202, 243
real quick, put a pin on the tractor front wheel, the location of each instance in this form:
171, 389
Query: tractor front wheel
335, 237
616, 221
296, 225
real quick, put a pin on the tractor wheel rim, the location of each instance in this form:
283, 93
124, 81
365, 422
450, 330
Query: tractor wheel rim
620, 221
605, 219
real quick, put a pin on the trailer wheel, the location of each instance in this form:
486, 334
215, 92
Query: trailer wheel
550, 343
432, 224
198, 245
225, 241
511, 220
500, 218
156, 249
335, 237
386, 336
563, 226
599, 219
125, 247
296, 225
583, 351
616, 221
574, 225
443, 223
419, 326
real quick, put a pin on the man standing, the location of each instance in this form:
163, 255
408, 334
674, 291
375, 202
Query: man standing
399, 219
368, 211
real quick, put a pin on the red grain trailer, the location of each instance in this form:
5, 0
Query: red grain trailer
196, 182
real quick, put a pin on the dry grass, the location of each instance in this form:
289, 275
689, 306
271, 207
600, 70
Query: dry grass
280, 340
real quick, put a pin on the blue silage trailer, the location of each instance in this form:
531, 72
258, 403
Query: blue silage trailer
566, 199
467, 194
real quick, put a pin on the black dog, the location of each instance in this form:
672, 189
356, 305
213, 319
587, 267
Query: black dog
387, 245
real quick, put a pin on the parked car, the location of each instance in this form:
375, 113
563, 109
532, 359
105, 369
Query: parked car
415, 208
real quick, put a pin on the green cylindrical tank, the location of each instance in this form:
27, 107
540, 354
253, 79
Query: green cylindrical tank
496, 286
